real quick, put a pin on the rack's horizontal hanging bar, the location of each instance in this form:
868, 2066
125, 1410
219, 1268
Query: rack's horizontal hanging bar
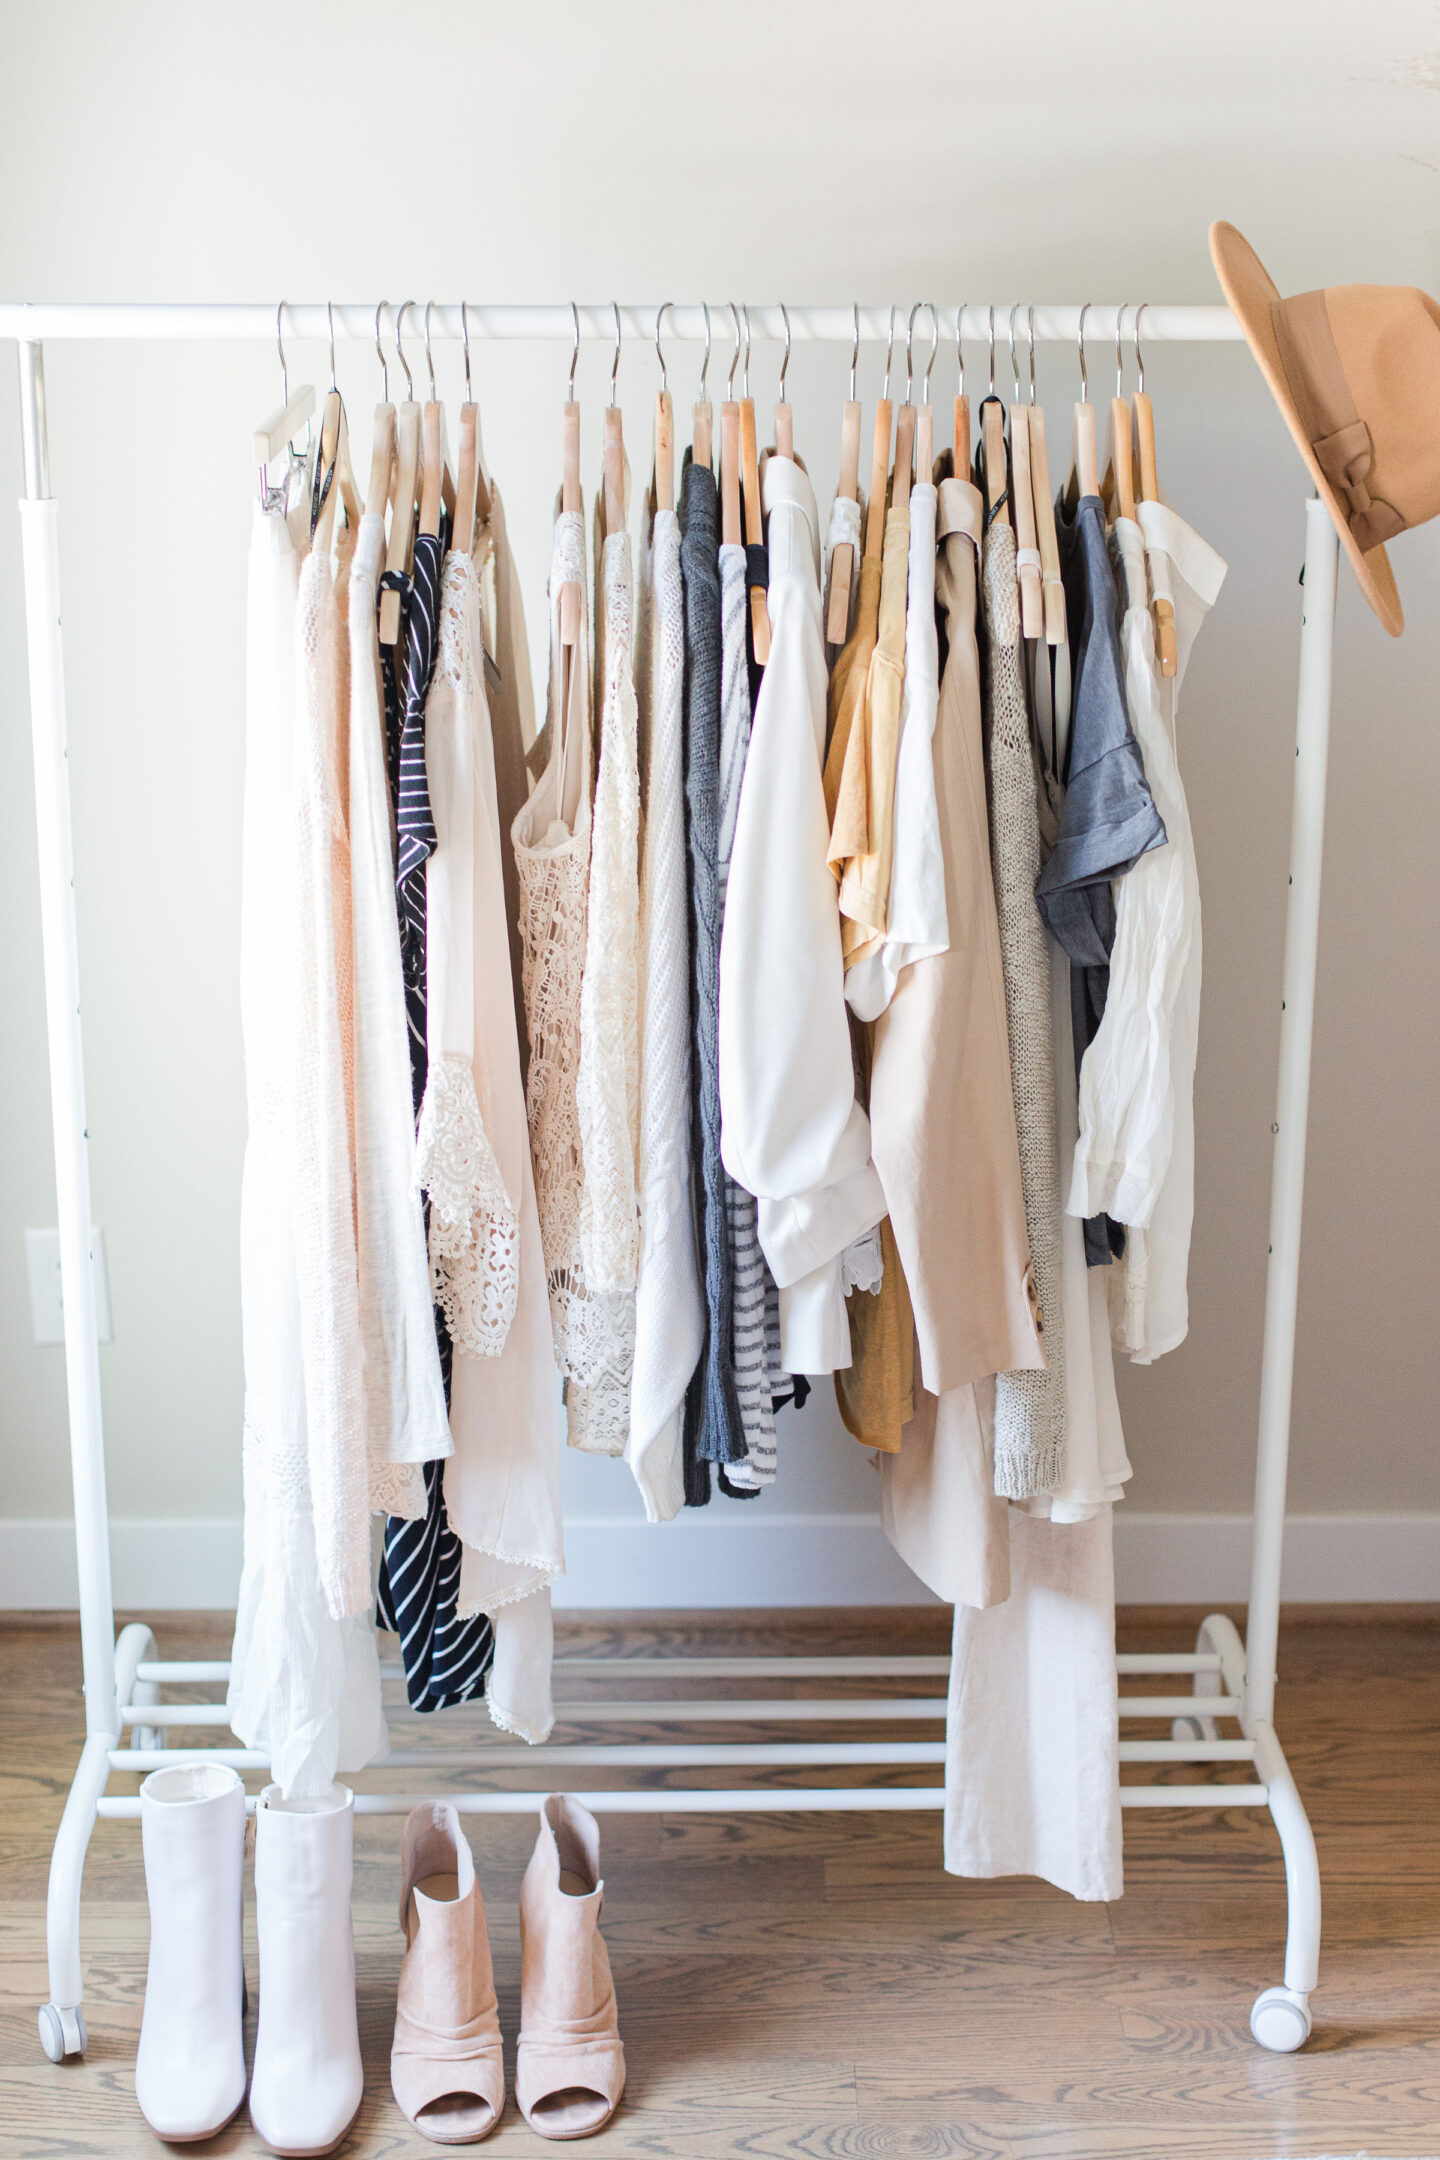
651, 1755
36, 320
183, 1672
759, 1800
736, 1710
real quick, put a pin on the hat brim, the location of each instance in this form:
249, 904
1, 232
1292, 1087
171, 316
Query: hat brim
1250, 292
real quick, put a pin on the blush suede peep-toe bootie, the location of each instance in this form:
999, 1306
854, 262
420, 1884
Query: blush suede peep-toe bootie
570, 2066
446, 2067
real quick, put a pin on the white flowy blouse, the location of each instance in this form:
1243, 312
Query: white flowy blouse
791, 1129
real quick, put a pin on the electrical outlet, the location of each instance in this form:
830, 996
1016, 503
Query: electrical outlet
42, 1253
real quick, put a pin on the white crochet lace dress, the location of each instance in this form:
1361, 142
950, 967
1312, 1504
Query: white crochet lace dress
551, 838
608, 1087
502, 1488
669, 1306
1029, 1406
304, 1684
474, 1220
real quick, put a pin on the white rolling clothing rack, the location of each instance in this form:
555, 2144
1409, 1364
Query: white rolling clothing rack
1224, 1680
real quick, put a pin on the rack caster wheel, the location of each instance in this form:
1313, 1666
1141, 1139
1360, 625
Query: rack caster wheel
1193, 1728
62, 2032
1280, 2020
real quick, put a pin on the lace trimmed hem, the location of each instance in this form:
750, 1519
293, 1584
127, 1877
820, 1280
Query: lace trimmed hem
474, 1226
503, 1722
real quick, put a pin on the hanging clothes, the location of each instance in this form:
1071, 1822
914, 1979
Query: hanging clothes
322, 1094
502, 1484
845, 799
1149, 1304
938, 1501
607, 1084
512, 719
1032, 1774
1096, 1464
304, 1684
1109, 819
752, 1285
792, 1130
1029, 1404
916, 922
942, 1113
714, 1430
874, 748
405, 1419
446, 1659
669, 1304
943, 1132
593, 1332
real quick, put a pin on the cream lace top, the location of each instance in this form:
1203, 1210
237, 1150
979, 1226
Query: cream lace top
474, 1220
551, 838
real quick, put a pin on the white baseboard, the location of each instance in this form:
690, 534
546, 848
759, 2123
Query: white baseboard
732, 1558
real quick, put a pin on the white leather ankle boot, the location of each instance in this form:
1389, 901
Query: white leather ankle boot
307, 2082
190, 2067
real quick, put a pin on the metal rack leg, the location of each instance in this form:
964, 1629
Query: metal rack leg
1280, 2018
62, 2029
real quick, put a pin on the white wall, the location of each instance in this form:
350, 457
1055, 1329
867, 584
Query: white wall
163, 151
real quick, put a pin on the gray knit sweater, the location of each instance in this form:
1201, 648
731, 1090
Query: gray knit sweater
713, 1429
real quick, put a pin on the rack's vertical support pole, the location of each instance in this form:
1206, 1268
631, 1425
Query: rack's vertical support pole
1287, 1178
62, 2027
39, 515
1292, 1104
1280, 2016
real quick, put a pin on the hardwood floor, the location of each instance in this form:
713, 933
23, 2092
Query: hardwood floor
816, 1986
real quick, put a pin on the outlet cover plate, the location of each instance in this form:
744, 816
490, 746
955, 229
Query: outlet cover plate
42, 1254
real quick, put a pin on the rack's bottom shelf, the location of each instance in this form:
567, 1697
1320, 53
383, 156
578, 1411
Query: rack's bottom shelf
1280, 2017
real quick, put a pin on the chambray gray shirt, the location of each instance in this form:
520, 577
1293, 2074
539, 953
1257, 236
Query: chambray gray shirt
1109, 819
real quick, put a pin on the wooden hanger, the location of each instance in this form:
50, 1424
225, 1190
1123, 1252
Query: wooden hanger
472, 493
732, 524
784, 417
403, 494
924, 412
962, 403
382, 441
664, 430
842, 561
1084, 476
437, 479
1165, 642
334, 459
571, 496
880, 459
905, 431
1119, 488
992, 459
754, 512
279, 431
702, 418
1022, 496
1052, 588
613, 508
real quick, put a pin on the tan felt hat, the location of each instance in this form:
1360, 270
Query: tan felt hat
1355, 369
